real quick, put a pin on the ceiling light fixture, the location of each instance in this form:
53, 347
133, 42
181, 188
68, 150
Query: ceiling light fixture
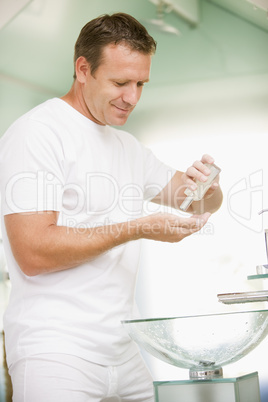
9, 9
159, 23
263, 4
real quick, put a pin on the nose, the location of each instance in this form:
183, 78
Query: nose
132, 95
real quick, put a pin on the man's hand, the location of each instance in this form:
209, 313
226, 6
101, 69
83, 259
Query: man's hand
170, 228
173, 194
213, 197
199, 171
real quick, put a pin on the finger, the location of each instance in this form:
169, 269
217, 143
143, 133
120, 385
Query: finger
203, 218
188, 182
198, 171
205, 171
214, 185
198, 165
193, 223
206, 158
185, 223
182, 222
184, 231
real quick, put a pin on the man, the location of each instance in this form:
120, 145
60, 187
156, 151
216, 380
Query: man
73, 189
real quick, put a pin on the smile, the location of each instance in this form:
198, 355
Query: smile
123, 110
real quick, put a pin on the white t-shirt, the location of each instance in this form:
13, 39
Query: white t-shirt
54, 158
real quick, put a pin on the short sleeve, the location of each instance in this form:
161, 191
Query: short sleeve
31, 168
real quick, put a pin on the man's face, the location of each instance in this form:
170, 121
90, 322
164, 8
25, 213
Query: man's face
112, 93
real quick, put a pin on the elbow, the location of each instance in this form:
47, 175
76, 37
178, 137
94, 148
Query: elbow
29, 262
36, 264
30, 271
28, 267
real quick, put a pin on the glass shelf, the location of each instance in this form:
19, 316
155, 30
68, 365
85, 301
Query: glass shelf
262, 276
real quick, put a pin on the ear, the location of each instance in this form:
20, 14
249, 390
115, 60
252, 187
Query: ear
82, 68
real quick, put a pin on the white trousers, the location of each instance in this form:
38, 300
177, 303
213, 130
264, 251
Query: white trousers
66, 378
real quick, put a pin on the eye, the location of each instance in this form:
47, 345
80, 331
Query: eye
120, 84
140, 84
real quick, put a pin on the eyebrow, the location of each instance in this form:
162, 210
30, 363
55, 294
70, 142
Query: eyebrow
127, 80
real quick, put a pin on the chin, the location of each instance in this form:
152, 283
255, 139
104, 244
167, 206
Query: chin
121, 123
117, 121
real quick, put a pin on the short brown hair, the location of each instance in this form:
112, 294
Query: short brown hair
111, 29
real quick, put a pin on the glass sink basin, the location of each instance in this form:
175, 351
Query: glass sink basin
201, 343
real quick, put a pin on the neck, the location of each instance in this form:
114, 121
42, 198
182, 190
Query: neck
76, 99
72, 97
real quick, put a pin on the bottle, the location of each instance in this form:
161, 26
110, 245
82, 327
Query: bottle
202, 187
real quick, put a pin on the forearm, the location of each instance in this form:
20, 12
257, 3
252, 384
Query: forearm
56, 248
40, 246
71, 247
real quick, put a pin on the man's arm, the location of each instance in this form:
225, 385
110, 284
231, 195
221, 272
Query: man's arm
173, 194
40, 246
